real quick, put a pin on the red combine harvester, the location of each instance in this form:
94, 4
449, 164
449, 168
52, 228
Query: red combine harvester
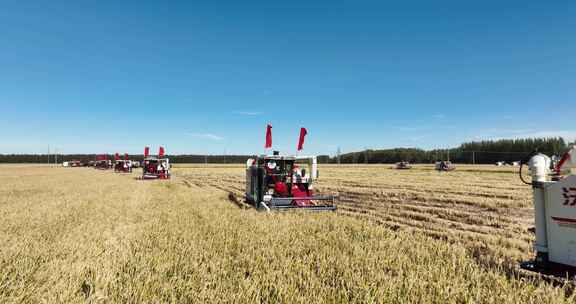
102, 162
276, 182
155, 167
122, 165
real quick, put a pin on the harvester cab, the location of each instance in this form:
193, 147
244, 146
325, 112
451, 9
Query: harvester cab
275, 182
554, 197
156, 168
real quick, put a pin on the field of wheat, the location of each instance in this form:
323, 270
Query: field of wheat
415, 236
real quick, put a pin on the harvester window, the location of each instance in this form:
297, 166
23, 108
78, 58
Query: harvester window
304, 169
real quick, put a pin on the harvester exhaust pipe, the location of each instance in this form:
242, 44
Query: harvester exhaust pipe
539, 167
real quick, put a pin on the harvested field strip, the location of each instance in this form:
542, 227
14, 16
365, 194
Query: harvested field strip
446, 200
494, 209
507, 247
436, 216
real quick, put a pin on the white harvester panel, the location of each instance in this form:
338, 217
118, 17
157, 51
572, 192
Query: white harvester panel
560, 211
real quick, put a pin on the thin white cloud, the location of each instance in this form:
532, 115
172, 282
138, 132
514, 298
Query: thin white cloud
493, 131
408, 128
522, 131
422, 127
249, 113
416, 138
208, 136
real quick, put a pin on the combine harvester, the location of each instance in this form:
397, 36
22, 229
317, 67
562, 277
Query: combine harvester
444, 166
403, 165
554, 196
72, 163
155, 167
102, 162
122, 165
277, 182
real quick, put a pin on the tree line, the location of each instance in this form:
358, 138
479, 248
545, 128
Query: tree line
479, 152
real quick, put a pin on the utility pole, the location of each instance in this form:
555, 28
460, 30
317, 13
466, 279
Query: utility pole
55, 157
473, 157
448, 151
338, 152
48, 155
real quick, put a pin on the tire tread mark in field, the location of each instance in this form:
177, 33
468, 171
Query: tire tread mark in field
436, 232
468, 214
419, 218
419, 190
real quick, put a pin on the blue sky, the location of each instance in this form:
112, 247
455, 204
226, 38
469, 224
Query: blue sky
206, 76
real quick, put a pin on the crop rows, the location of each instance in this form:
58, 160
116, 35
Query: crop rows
479, 207
74, 235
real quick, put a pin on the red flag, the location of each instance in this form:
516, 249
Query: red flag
268, 144
116, 156
303, 133
146, 152
125, 156
161, 152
